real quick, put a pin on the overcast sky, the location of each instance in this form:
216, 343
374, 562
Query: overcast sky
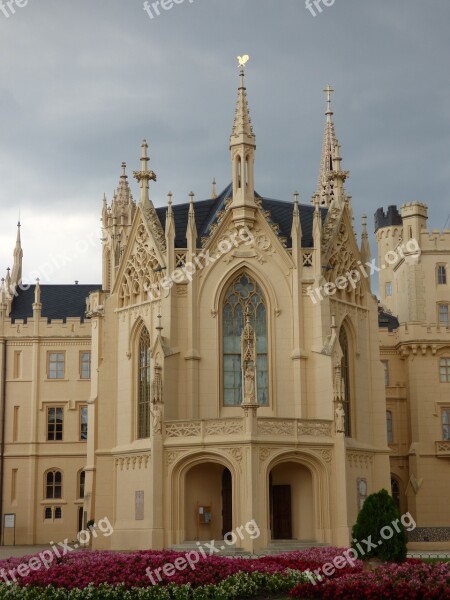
82, 82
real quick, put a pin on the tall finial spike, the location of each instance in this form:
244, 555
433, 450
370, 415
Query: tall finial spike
144, 175
328, 91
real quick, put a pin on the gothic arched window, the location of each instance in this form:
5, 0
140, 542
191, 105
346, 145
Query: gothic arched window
345, 370
244, 293
143, 413
395, 490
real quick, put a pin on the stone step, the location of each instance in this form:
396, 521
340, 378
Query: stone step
275, 547
226, 549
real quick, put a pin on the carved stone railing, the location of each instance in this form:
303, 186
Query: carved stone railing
443, 449
289, 429
204, 429
294, 428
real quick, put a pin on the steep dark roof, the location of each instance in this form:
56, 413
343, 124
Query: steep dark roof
58, 301
387, 321
206, 214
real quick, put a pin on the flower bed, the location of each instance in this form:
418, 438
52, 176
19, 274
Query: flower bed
79, 569
411, 580
124, 576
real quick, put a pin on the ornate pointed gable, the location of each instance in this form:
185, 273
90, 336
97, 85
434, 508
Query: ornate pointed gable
144, 176
341, 255
142, 266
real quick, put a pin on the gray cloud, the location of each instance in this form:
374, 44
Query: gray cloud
82, 83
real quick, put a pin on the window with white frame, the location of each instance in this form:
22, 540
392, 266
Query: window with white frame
55, 421
444, 369
56, 365
442, 275
53, 484
445, 418
443, 315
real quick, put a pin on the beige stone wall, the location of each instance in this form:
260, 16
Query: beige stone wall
415, 394
28, 454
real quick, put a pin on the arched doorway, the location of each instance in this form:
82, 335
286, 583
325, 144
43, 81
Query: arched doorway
291, 507
208, 501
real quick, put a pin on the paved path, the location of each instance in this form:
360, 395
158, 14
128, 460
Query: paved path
10, 551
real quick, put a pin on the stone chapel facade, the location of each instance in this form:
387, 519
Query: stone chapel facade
206, 384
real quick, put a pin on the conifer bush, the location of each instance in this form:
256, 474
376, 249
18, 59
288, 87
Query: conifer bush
379, 532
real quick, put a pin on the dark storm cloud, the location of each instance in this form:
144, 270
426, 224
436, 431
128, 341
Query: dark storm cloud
82, 83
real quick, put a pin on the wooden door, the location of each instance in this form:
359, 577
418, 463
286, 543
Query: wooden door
281, 511
227, 502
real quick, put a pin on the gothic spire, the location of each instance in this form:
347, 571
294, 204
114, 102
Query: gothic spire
123, 194
242, 129
325, 187
242, 147
16, 275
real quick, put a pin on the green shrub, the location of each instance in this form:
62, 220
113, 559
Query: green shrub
379, 524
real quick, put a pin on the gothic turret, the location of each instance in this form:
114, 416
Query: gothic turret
242, 147
116, 223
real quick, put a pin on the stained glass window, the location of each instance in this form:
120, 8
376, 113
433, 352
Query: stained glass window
244, 293
144, 385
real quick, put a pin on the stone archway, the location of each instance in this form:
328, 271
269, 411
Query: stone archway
207, 481
291, 502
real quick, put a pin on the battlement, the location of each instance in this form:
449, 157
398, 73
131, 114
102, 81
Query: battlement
387, 219
69, 328
414, 209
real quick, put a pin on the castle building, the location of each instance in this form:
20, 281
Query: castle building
226, 370
415, 352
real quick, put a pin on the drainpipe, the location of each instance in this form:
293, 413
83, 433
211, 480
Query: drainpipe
3, 423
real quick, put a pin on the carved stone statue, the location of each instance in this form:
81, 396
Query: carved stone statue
249, 385
340, 418
248, 354
156, 414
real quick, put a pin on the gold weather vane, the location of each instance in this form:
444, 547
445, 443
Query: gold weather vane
243, 60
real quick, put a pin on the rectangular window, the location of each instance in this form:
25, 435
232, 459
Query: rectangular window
442, 275
48, 513
56, 365
85, 365
444, 370
58, 512
443, 314
83, 423
55, 424
17, 365
386, 372
388, 288
390, 433
446, 424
